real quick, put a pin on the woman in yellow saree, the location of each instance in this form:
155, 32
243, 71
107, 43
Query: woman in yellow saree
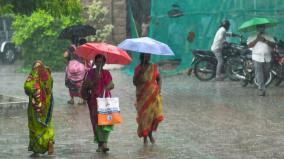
148, 99
38, 87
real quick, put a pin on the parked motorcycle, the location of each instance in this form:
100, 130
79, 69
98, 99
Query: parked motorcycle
205, 63
278, 62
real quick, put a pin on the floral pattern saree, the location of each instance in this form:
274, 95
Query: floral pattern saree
38, 87
148, 101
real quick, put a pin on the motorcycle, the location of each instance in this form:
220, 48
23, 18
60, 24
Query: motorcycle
278, 63
204, 62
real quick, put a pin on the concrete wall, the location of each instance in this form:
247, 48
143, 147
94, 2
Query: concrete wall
117, 17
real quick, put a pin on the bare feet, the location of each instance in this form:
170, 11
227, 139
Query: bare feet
152, 140
145, 140
50, 147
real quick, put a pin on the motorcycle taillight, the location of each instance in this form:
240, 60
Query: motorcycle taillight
281, 60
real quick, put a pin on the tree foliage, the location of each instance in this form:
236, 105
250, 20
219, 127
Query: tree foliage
5, 8
54, 7
37, 35
96, 16
36, 29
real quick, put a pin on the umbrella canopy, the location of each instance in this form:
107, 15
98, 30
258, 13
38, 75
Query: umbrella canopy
113, 54
146, 45
77, 31
251, 24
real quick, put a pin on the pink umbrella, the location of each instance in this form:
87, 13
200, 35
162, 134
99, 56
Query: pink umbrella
113, 54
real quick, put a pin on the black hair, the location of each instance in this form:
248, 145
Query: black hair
142, 57
82, 41
225, 23
100, 56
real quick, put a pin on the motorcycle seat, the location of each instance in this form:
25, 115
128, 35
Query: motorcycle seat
202, 52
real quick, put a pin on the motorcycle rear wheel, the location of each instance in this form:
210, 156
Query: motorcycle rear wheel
268, 81
205, 69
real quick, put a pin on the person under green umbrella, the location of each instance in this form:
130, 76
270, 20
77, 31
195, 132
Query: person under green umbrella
261, 44
250, 25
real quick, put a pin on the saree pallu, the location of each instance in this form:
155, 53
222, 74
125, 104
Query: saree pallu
148, 102
101, 133
40, 110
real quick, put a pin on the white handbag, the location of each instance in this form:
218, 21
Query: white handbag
108, 110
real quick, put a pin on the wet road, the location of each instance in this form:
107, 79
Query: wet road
203, 120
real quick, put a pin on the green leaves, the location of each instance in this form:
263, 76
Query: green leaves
25, 26
5, 9
37, 35
96, 16
36, 28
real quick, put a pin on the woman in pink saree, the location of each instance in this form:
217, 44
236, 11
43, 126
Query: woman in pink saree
148, 99
97, 82
75, 71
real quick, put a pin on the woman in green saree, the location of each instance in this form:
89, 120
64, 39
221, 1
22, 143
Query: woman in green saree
38, 87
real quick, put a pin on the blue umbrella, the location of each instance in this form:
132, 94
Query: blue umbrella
146, 45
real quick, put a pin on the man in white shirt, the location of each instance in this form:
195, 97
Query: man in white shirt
218, 44
261, 45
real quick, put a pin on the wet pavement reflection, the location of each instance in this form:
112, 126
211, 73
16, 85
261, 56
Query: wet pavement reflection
203, 120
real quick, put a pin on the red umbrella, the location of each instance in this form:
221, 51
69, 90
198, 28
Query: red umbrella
113, 54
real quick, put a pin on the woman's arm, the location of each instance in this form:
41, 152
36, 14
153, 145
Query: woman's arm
110, 86
138, 79
85, 89
29, 86
65, 54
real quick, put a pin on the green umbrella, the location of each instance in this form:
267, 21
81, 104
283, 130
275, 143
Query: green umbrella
251, 24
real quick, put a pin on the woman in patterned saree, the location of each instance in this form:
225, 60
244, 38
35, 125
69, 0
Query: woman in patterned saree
148, 99
97, 82
38, 87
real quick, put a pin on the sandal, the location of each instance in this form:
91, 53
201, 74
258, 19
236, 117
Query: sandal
105, 148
